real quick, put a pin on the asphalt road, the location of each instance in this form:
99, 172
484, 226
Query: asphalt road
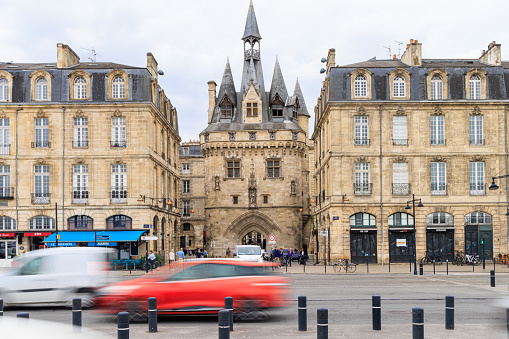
347, 297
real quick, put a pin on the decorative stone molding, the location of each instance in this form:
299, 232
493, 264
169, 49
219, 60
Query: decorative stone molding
79, 114
438, 110
478, 208
405, 74
72, 77
400, 158
443, 74
36, 75
476, 110
400, 110
217, 186
439, 209
477, 158
113, 74
2, 161
482, 75
79, 161
438, 158
119, 161
367, 74
3, 115
41, 114
361, 111
117, 113
362, 159
41, 161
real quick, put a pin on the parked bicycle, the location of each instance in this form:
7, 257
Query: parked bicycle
470, 259
345, 265
458, 259
430, 258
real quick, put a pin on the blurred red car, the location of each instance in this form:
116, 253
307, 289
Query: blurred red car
198, 287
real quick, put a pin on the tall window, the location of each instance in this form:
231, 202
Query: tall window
399, 130
80, 132
41, 89
80, 88
4, 137
7, 223
273, 168
186, 208
400, 185
437, 92
477, 178
399, 87
475, 87
277, 107
118, 87
118, 138
438, 178
362, 184
360, 86
186, 186
233, 169
252, 109
437, 130
42, 222
80, 184
226, 108
4, 89
475, 123
41, 132
41, 184
82, 222
5, 182
119, 221
361, 130
186, 168
119, 183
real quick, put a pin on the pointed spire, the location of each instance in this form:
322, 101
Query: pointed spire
303, 110
251, 29
227, 86
278, 84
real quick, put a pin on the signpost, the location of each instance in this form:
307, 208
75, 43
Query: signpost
272, 239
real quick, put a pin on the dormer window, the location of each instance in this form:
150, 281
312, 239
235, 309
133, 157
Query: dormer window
436, 87
226, 108
80, 88
252, 109
4, 89
277, 107
41, 89
475, 87
294, 112
361, 86
399, 87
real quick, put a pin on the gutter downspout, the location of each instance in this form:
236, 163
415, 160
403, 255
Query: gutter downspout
506, 170
17, 211
63, 166
381, 191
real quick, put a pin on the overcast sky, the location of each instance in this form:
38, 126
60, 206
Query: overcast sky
191, 39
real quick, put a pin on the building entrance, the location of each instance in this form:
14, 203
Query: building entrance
363, 246
401, 246
7, 252
440, 243
253, 238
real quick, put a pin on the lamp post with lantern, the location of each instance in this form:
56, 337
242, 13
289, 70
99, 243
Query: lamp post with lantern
413, 215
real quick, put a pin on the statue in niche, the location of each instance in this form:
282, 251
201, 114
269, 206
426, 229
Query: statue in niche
293, 187
252, 197
216, 183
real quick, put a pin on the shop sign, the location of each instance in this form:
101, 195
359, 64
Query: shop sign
61, 244
37, 234
335, 218
103, 243
7, 235
400, 242
147, 226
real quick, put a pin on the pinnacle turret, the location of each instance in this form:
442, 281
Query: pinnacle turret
251, 29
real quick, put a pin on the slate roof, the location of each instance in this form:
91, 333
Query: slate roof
53, 65
251, 29
278, 84
303, 110
227, 88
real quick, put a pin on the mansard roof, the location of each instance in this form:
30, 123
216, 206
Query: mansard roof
251, 29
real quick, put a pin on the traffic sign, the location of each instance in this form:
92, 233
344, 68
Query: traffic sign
272, 237
148, 238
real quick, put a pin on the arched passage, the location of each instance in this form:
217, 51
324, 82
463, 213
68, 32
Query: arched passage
251, 222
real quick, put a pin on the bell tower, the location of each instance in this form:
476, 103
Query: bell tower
251, 36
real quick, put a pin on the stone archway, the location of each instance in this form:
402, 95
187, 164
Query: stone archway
250, 222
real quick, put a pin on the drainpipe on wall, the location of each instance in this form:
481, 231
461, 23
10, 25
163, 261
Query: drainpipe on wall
381, 191
506, 169
63, 166
17, 211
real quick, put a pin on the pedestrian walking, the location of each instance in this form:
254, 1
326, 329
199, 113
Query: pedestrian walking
228, 253
172, 258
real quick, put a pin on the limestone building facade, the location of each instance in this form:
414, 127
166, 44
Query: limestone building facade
391, 131
86, 147
255, 155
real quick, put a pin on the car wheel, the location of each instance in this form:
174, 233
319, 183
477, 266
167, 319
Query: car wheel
136, 313
87, 299
247, 310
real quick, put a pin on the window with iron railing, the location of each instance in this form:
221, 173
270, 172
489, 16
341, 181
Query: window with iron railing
438, 178
4, 137
41, 185
477, 184
41, 133
80, 132
119, 183
437, 130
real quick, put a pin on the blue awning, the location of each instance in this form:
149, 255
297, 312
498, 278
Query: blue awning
92, 236
120, 236
72, 237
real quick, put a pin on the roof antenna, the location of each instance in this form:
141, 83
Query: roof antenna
390, 54
94, 53
399, 48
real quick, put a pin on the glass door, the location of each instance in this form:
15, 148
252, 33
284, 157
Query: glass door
363, 246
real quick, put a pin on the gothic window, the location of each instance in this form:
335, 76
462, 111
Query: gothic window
273, 168
277, 107
252, 109
226, 108
233, 168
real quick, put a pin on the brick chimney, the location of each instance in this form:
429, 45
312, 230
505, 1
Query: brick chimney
212, 98
331, 59
66, 56
413, 53
152, 65
493, 56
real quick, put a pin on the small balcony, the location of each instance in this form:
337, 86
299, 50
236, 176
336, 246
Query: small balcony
40, 198
439, 189
6, 192
361, 141
476, 141
435, 142
79, 196
400, 189
362, 188
118, 143
41, 144
5, 149
477, 189
398, 142
119, 196
80, 144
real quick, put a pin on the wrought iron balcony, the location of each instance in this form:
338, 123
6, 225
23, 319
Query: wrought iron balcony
6, 192
79, 196
361, 141
476, 141
477, 189
118, 143
438, 189
5, 149
40, 198
437, 141
400, 189
118, 196
362, 188
400, 141
80, 144
41, 144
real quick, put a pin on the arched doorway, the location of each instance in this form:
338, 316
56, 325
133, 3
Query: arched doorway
363, 238
253, 238
252, 226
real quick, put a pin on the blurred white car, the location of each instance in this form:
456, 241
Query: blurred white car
56, 275
248, 253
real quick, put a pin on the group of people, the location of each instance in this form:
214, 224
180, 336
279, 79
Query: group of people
183, 252
279, 253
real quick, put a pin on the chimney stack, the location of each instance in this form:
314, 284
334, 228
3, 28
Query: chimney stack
413, 53
493, 56
212, 98
331, 59
66, 56
152, 65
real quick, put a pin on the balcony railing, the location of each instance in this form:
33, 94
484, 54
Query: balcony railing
6, 192
118, 143
79, 196
5, 149
118, 196
476, 141
362, 188
400, 141
80, 144
40, 198
400, 189
477, 189
437, 141
438, 189
41, 144
361, 141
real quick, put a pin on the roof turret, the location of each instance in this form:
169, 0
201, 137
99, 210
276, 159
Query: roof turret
303, 110
278, 84
251, 29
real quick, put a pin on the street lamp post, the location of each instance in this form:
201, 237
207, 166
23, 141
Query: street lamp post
413, 214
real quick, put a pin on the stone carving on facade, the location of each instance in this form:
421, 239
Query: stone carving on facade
438, 158
476, 111
2, 114
293, 187
79, 161
439, 209
41, 161
117, 113
400, 110
79, 114
438, 110
252, 188
2, 161
361, 110
477, 158
400, 158
362, 159
119, 161
217, 186
478, 208
41, 114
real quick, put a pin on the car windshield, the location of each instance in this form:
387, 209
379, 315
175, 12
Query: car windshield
249, 251
205, 270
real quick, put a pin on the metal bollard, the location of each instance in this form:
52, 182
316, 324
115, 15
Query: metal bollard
228, 305
76, 314
434, 267
1, 307
417, 323
449, 312
22, 315
447, 261
507, 317
421, 269
123, 325
325, 265
304, 263
322, 323
473, 266
377, 312
286, 265
302, 311
152, 314
367, 265
492, 278
224, 324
